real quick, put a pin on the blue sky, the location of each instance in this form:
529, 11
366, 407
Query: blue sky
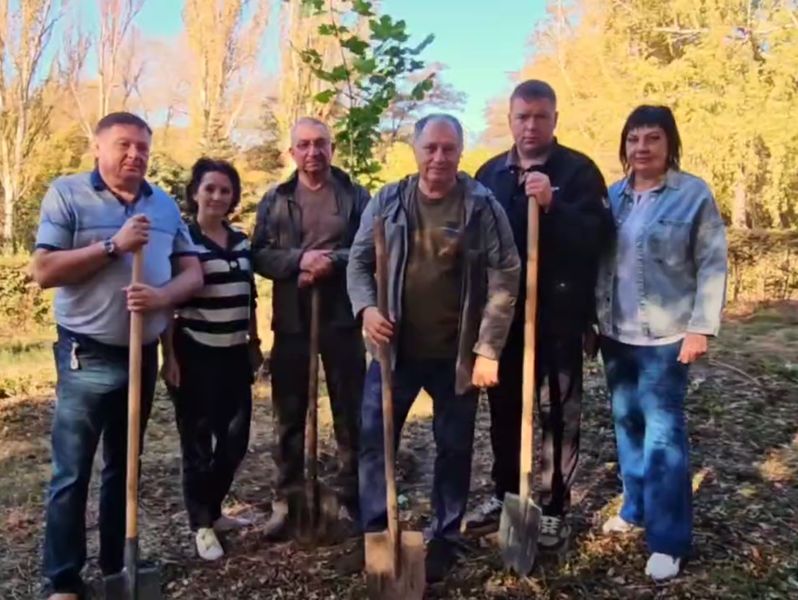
480, 42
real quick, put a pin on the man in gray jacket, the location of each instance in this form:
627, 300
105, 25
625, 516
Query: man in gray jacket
453, 278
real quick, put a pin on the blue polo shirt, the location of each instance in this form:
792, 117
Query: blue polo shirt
79, 210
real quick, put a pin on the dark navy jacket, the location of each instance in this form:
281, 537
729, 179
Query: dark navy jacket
575, 231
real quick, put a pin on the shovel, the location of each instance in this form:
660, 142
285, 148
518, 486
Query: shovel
519, 526
134, 582
394, 558
317, 512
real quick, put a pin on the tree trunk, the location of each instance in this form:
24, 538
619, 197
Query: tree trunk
8, 219
739, 209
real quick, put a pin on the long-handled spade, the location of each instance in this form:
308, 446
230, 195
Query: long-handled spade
394, 558
519, 526
134, 582
318, 509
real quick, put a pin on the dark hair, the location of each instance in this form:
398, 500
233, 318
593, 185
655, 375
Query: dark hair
121, 118
534, 89
648, 115
438, 117
208, 165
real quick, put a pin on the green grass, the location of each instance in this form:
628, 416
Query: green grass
27, 363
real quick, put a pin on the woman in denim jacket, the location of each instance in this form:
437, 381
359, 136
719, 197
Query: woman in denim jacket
660, 294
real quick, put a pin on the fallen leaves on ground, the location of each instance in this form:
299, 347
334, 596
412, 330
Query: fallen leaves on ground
743, 416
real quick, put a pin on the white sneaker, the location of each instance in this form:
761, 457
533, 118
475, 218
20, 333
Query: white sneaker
484, 517
226, 523
617, 524
208, 546
663, 566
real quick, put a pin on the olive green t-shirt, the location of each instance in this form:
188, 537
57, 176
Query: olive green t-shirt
323, 224
433, 277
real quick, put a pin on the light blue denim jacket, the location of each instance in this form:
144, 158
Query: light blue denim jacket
681, 258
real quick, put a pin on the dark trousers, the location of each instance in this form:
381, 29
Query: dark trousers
213, 406
453, 428
648, 386
343, 357
559, 402
91, 401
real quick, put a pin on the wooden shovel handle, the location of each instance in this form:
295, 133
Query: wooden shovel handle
311, 427
134, 408
386, 373
530, 332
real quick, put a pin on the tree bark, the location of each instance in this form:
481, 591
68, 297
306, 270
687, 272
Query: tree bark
739, 209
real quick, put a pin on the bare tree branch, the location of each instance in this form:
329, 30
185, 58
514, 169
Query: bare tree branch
25, 33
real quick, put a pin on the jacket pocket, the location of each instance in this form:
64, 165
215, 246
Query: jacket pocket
669, 241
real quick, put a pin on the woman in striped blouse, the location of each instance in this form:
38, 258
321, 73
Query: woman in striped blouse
208, 359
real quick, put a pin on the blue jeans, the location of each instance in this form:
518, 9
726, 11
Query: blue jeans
453, 429
91, 401
648, 386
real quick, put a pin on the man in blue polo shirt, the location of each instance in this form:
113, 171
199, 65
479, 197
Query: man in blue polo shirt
91, 224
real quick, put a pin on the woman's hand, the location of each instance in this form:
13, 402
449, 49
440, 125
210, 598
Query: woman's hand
255, 355
170, 371
694, 346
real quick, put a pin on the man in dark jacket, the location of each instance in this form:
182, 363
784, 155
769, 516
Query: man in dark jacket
452, 282
575, 226
303, 232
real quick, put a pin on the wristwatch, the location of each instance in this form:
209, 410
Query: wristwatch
110, 248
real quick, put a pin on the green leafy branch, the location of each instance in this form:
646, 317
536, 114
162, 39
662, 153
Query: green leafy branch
363, 83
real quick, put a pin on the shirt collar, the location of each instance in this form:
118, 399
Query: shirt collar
673, 180
513, 161
100, 185
234, 236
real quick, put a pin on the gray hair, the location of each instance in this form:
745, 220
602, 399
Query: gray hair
422, 123
309, 121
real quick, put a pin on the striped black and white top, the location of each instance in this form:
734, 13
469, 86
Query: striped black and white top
219, 314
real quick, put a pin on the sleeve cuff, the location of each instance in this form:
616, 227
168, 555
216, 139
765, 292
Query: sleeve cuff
486, 350
358, 308
703, 329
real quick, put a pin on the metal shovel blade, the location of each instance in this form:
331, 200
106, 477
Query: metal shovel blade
148, 584
316, 515
519, 528
389, 579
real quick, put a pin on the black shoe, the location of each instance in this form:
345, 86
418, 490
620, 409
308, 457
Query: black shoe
278, 527
441, 557
554, 533
484, 519
352, 562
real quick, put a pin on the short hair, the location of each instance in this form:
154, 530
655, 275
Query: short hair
534, 89
121, 118
422, 123
313, 121
648, 115
208, 165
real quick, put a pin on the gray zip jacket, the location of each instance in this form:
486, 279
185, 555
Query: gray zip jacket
681, 258
491, 269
